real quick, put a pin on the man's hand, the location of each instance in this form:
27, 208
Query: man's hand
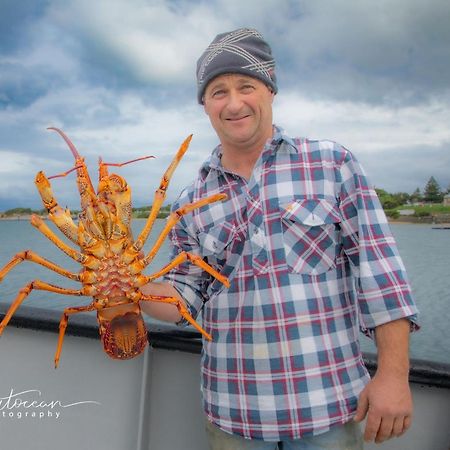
387, 402
161, 311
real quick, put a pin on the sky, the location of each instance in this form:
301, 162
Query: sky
118, 76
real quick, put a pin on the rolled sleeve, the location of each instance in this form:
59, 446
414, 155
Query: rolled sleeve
383, 290
189, 280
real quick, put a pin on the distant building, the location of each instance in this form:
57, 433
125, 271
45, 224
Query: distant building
406, 212
446, 201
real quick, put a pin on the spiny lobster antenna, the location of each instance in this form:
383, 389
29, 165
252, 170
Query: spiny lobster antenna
102, 169
103, 166
74, 151
79, 165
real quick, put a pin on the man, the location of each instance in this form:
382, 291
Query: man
310, 258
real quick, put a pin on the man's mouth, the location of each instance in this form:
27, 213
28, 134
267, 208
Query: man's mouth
236, 119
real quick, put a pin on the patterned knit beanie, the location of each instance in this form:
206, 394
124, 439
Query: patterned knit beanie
240, 51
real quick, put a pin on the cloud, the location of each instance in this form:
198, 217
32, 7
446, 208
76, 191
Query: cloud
363, 127
405, 169
15, 20
156, 43
119, 77
400, 148
376, 52
118, 127
22, 85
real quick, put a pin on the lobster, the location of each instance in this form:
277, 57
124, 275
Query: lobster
112, 261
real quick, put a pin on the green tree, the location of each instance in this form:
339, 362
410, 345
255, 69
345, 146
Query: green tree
401, 198
386, 200
416, 196
391, 201
18, 211
432, 192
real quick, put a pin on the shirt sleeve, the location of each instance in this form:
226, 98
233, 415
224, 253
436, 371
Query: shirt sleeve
383, 289
188, 279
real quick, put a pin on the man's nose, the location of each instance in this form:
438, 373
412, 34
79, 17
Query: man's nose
234, 101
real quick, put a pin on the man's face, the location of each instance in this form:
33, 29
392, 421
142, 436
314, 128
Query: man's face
240, 110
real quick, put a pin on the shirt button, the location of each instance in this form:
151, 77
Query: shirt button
261, 259
256, 231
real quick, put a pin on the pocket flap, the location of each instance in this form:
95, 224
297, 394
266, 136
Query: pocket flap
214, 241
311, 212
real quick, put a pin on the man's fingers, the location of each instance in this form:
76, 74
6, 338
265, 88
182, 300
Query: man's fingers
398, 426
387, 406
406, 424
379, 428
385, 430
372, 426
363, 405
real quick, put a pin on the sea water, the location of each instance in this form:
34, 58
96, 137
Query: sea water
425, 252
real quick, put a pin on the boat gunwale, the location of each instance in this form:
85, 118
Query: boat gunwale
171, 337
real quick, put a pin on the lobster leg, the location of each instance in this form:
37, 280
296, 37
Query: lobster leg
160, 195
181, 309
25, 291
88, 261
195, 259
33, 257
63, 325
174, 218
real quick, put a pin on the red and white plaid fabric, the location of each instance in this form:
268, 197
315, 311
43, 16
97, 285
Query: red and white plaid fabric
311, 260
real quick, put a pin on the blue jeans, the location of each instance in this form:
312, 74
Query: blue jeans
340, 437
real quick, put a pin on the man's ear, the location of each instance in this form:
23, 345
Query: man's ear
272, 94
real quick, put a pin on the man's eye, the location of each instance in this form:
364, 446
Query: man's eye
218, 93
246, 88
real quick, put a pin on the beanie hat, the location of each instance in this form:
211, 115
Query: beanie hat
241, 51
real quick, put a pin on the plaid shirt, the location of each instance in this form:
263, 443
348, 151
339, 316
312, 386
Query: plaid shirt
310, 257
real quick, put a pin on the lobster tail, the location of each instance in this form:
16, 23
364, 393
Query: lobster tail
125, 336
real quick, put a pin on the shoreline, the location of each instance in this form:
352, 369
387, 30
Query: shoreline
402, 221
16, 218
28, 218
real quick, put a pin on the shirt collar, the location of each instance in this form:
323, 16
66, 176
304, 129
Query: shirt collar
272, 146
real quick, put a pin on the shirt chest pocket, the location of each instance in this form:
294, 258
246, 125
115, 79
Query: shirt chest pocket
310, 235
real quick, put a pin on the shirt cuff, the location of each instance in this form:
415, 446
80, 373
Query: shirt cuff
414, 325
193, 299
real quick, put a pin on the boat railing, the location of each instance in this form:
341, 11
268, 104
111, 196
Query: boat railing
170, 337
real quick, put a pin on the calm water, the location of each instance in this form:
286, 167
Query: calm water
426, 254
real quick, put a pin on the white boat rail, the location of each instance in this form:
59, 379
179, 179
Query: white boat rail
150, 402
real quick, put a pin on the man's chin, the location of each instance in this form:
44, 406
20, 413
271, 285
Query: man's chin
239, 138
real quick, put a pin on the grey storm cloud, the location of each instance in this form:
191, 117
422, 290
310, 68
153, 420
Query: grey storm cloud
21, 85
406, 165
376, 52
16, 19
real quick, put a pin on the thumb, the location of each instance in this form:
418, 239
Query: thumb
363, 406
